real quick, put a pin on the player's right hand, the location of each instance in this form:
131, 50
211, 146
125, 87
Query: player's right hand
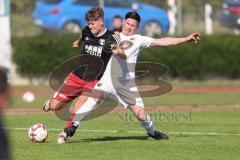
116, 50
195, 37
76, 44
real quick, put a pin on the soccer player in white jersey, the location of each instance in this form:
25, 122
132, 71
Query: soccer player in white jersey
123, 89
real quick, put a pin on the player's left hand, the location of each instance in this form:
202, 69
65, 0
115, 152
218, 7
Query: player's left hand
195, 37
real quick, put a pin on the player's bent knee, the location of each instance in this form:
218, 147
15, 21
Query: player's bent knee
98, 100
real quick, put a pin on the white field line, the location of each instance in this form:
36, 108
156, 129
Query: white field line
116, 131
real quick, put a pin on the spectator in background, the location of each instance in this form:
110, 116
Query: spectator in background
117, 23
4, 152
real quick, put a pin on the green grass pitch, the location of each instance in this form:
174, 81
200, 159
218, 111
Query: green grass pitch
197, 135
88, 143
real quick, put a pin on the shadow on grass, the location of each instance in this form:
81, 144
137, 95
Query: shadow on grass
108, 138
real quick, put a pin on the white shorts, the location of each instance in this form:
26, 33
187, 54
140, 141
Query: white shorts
122, 90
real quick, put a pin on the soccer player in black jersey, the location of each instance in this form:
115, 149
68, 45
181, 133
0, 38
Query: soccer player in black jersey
119, 82
96, 54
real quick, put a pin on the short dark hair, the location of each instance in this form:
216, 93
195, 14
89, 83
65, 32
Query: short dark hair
117, 17
94, 14
133, 15
3, 80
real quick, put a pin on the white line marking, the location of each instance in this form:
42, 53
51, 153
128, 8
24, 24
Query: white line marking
204, 134
116, 131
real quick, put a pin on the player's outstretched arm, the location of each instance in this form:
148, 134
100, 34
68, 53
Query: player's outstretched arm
169, 41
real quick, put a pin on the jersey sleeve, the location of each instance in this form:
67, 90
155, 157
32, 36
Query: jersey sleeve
113, 39
116, 38
146, 41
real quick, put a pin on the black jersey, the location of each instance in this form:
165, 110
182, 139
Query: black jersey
96, 54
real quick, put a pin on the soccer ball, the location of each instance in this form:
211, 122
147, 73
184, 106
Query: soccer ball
38, 133
28, 97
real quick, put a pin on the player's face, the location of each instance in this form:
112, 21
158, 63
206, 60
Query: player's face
117, 23
130, 26
95, 26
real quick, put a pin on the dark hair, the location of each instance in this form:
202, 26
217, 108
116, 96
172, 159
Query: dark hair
133, 15
3, 80
117, 17
94, 14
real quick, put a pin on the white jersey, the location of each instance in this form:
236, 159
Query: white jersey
138, 42
118, 79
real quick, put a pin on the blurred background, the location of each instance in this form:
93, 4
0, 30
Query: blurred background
40, 33
191, 15
36, 37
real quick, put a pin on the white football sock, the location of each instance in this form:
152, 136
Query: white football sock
85, 109
148, 125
